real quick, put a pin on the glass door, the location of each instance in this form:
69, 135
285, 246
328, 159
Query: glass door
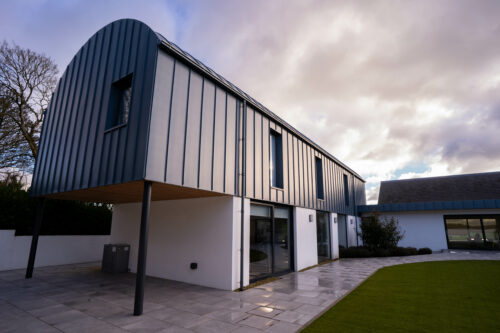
281, 240
270, 250
260, 241
323, 236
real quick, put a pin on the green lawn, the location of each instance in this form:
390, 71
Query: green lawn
443, 296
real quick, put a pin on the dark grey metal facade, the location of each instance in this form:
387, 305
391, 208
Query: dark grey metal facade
185, 128
76, 152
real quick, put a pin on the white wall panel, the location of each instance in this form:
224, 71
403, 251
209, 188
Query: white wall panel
305, 238
334, 236
182, 232
52, 250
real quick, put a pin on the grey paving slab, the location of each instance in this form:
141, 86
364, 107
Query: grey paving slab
257, 322
79, 298
265, 311
214, 326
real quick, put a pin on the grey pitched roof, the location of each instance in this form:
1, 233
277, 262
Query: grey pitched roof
479, 186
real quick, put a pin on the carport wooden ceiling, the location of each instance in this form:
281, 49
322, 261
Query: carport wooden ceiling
132, 192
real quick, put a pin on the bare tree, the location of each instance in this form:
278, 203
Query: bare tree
27, 80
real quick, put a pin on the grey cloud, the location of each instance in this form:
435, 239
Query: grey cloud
350, 75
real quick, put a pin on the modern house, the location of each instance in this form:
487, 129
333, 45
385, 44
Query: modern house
450, 212
208, 186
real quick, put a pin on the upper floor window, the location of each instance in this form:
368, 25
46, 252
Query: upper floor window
346, 190
276, 164
119, 105
319, 178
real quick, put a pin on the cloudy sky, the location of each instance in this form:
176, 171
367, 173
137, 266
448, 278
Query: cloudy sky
395, 89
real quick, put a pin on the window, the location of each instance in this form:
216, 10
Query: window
319, 178
119, 105
276, 159
346, 190
473, 231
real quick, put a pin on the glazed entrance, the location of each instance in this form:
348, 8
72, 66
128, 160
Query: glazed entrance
270, 241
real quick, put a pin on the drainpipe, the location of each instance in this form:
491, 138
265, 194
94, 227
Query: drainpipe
243, 190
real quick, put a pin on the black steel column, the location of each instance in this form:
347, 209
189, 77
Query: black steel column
243, 193
34, 238
143, 247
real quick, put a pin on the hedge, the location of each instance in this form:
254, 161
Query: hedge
60, 217
365, 252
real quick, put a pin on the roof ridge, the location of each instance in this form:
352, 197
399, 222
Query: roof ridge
445, 176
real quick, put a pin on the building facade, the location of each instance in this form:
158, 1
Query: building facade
451, 212
237, 194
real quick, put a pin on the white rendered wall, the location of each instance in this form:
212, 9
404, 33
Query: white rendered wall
237, 242
204, 230
305, 237
426, 228
52, 250
334, 236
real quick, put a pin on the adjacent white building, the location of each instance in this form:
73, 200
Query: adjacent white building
451, 212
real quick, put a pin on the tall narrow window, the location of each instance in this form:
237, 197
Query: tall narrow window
319, 178
276, 159
119, 105
346, 190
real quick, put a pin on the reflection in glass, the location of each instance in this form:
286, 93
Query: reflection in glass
457, 232
473, 232
260, 247
281, 248
492, 231
342, 230
323, 236
269, 246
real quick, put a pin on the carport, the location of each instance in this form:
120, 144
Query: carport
139, 191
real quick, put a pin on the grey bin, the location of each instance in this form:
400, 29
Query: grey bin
115, 258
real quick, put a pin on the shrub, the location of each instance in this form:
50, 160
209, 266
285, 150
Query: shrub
60, 217
412, 251
355, 252
424, 250
377, 233
381, 252
403, 251
399, 251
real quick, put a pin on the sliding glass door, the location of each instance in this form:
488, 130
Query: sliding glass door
270, 248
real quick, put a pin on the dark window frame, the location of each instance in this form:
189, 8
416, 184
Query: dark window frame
346, 189
276, 159
120, 102
320, 189
467, 217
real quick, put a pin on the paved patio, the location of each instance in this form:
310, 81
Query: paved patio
79, 298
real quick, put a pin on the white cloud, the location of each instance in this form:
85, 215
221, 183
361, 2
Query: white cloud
381, 85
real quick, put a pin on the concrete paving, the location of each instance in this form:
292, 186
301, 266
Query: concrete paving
79, 298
